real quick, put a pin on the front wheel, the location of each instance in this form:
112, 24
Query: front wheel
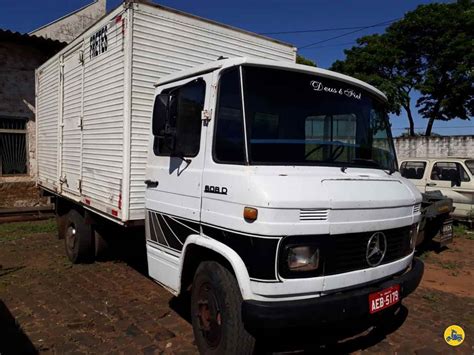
216, 305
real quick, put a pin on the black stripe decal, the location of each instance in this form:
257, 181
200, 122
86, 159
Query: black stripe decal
180, 231
172, 240
259, 253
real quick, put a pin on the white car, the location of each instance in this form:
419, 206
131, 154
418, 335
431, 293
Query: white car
454, 177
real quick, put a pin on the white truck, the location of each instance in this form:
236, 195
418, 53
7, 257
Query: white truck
269, 188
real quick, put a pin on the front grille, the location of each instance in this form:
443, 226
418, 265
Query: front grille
348, 251
416, 208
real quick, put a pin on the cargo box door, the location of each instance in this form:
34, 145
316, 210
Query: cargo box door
72, 108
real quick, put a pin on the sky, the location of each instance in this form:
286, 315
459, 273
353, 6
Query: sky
266, 16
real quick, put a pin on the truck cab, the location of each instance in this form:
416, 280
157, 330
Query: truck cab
273, 193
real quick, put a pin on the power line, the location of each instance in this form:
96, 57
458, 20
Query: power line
347, 33
446, 127
336, 45
317, 30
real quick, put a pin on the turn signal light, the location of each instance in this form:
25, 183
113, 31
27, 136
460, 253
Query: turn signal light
250, 214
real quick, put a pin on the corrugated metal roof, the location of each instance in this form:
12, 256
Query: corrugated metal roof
17, 37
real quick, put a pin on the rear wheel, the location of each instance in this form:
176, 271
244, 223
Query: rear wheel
78, 238
216, 312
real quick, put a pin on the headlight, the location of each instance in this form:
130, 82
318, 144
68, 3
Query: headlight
413, 235
303, 258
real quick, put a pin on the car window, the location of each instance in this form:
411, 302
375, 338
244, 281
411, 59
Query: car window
413, 169
470, 165
448, 171
229, 143
186, 105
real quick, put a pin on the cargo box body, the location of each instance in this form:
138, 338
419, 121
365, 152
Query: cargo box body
94, 99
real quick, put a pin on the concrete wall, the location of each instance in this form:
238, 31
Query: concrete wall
17, 90
19, 57
433, 147
70, 26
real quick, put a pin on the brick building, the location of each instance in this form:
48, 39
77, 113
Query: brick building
20, 55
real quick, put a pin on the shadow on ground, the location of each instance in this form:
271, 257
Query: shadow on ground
12, 338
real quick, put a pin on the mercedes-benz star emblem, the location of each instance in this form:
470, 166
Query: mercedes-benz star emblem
376, 248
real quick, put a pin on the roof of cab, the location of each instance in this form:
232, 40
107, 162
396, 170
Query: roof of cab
444, 159
227, 63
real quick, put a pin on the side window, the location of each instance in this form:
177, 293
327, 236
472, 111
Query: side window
448, 171
413, 169
185, 108
229, 133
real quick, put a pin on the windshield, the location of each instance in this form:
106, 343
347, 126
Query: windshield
296, 118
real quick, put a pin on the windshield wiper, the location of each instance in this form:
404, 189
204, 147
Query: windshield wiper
374, 163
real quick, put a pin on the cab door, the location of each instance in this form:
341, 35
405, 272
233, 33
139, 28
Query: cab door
174, 175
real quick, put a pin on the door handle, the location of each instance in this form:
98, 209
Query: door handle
431, 184
151, 183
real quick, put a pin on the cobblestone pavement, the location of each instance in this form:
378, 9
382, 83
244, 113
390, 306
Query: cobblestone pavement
52, 306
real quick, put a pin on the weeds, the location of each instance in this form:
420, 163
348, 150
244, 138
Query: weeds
431, 297
449, 265
13, 231
459, 229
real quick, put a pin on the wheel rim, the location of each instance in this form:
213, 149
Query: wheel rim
209, 315
71, 236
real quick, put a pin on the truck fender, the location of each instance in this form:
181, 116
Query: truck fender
238, 266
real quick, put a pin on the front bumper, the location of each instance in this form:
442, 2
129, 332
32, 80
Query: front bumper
340, 306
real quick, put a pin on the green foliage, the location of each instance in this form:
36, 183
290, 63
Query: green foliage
12, 231
302, 60
438, 41
430, 50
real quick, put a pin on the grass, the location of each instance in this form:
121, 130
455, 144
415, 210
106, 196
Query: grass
431, 297
460, 229
424, 255
17, 230
449, 265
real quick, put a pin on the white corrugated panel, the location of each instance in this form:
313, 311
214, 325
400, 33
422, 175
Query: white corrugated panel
165, 42
113, 92
72, 110
103, 122
47, 115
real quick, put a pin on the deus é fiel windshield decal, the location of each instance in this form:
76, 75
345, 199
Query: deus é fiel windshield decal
319, 86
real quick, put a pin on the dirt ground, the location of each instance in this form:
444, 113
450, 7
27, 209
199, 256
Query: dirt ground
48, 305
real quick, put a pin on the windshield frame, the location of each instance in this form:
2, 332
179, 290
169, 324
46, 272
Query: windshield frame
376, 100
373, 95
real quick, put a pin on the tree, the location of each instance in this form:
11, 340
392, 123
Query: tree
430, 50
377, 61
439, 39
302, 60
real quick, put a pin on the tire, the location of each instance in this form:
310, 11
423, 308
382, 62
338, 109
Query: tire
78, 238
216, 305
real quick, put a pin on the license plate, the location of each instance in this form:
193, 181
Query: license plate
446, 233
384, 299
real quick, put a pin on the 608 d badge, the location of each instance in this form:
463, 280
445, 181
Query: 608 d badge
215, 190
